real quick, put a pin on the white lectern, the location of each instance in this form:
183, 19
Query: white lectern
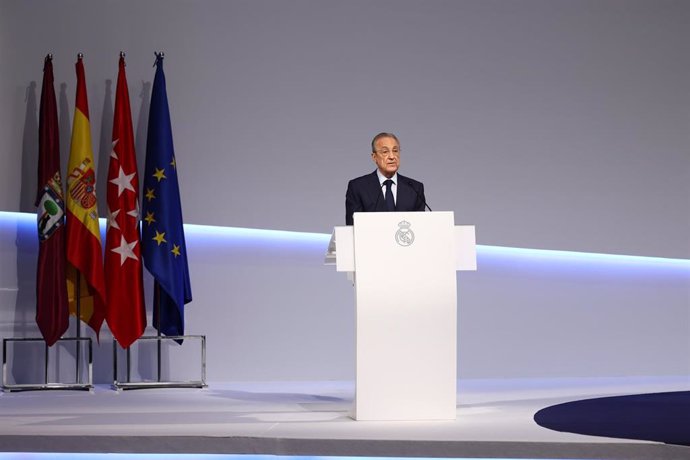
404, 267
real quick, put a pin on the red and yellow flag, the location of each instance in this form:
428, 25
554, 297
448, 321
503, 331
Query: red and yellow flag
84, 256
126, 314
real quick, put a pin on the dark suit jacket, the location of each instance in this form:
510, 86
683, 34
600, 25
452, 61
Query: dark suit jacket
364, 195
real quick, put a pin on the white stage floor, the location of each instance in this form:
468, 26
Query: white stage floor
494, 419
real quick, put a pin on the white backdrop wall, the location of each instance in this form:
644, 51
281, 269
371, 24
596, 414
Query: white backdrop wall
553, 124
548, 124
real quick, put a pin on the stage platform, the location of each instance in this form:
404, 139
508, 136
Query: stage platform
494, 420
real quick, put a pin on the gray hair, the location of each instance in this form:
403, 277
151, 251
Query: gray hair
381, 136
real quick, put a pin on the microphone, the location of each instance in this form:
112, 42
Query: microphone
419, 195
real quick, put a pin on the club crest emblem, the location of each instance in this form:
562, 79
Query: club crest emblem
404, 236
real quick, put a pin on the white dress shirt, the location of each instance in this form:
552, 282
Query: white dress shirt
394, 187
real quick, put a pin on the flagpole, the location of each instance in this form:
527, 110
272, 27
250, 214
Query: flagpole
157, 297
50, 57
80, 56
157, 306
46, 363
78, 341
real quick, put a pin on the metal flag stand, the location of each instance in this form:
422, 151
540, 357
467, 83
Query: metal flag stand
127, 384
46, 384
159, 338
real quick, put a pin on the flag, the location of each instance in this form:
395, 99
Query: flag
84, 256
126, 313
165, 251
52, 315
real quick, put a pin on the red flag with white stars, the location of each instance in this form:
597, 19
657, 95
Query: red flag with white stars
126, 314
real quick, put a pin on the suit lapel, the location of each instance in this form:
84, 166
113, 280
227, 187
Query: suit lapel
378, 202
406, 197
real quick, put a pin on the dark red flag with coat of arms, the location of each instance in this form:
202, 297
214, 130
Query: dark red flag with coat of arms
52, 313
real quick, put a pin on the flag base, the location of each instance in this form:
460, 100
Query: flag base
47, 384
157, 381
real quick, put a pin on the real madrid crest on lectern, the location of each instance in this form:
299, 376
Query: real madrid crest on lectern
404, 236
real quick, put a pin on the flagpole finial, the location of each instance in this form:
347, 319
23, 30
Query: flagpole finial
80, 56
159, 57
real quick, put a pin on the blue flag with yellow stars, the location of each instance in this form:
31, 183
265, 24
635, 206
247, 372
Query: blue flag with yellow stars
163, 244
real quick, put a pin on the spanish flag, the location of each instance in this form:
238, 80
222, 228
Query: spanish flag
85, 278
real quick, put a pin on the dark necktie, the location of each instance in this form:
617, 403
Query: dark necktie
390, 202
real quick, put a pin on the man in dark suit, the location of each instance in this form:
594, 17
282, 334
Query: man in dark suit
384, 189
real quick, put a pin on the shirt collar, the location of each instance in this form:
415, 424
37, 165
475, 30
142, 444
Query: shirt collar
383, 178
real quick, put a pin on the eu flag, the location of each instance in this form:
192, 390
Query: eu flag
163, 243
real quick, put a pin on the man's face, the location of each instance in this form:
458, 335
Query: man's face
387, 156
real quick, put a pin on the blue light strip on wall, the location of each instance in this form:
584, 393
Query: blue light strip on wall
557, 256
273, 236
319, 241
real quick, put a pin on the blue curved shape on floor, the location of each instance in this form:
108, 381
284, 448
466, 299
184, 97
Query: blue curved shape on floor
661, 417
